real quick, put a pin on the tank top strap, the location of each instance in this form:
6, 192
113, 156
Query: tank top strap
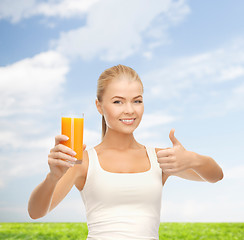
91, 157
93, 163
153, 158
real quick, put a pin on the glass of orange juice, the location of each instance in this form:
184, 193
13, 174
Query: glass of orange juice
73, 128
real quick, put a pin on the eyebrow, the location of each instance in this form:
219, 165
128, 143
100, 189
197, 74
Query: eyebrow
124, 98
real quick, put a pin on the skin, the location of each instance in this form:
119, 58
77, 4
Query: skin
119, 152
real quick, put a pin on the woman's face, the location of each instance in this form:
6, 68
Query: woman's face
122, 105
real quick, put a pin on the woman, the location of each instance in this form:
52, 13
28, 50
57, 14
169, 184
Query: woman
120, 180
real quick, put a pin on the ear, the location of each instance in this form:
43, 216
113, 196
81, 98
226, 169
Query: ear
99, 107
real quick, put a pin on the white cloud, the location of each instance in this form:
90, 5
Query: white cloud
91, 138
30, 93
30, 84
117, 29
64, 8
236, 98
15, 165
149, 131
234, 173
210, 82
191, 201
1, 184
17, 10
206, 69
148, 55
155, 119
29, 157
188, 209
29, 90
213, 209
232, 72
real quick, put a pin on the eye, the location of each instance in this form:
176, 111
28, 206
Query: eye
138, 101
117, 102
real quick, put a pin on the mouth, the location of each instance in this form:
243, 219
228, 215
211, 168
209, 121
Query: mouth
128, 121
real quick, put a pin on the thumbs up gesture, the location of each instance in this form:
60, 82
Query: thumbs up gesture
175, 159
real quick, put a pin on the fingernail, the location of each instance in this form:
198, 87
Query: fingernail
74, 153
66, 138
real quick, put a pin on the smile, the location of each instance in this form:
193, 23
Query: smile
128, 120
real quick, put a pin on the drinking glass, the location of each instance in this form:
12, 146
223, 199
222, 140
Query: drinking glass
73, 128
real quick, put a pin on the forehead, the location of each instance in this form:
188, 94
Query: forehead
124, 88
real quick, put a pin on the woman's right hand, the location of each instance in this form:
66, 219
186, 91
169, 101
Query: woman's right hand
61, 158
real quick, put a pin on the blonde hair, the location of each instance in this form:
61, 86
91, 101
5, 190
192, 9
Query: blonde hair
107, 76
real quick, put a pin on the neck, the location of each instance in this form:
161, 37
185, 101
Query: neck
120, 141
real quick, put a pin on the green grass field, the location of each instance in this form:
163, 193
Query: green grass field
78, 231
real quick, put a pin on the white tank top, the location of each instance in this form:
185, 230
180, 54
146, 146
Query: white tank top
122, 206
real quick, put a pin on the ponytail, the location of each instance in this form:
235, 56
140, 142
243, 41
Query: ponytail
104, 127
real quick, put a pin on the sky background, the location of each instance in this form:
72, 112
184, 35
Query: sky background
190, 57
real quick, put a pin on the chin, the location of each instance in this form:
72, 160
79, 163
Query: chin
125, 132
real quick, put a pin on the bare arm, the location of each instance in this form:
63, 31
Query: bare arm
179, 162
41, 197
59, 180
201, 168
74, 176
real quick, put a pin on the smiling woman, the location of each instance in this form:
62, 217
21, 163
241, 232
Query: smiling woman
120, 180
117, 91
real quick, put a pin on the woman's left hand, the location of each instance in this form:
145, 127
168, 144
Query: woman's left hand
175, 159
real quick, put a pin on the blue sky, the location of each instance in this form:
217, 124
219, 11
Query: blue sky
190, 56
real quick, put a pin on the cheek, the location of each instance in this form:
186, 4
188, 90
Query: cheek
110, 113
140, 110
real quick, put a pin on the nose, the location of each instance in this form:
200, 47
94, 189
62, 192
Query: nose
129, 109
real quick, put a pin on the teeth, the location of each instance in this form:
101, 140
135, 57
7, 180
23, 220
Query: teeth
127, 120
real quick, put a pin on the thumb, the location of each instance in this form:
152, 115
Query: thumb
172, 137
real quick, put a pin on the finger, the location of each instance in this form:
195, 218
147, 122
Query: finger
165, 152
173, 139
166, 167
169, 168
164, 160
62, 156
169, 171
60, 163
64, 149
61, 138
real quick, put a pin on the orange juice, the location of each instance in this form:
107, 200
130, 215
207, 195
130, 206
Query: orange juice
73, 128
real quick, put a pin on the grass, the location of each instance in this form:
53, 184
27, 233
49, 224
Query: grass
201, 231
78, 231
